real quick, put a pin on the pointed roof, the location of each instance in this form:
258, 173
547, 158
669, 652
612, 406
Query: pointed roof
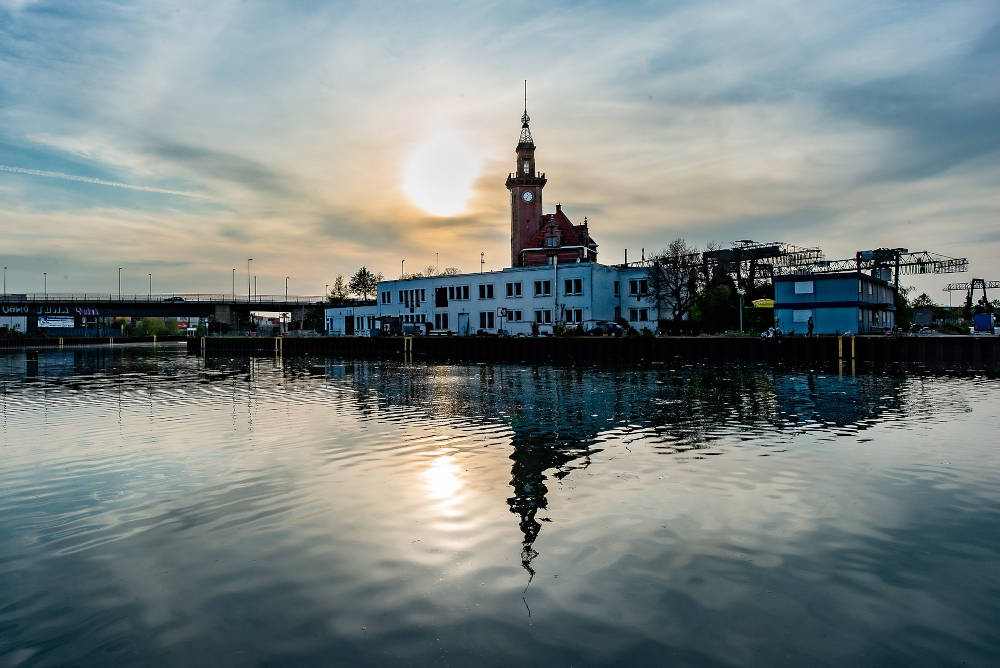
567, 232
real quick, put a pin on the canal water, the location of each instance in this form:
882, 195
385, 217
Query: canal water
162, 509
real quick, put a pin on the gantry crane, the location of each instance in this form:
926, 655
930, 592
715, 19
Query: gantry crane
970, 289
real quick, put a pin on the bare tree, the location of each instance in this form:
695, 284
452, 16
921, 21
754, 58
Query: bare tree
364, 283
674, 278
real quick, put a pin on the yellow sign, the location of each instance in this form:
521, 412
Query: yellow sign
763, 303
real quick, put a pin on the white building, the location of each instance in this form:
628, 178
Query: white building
579, 294
554, 279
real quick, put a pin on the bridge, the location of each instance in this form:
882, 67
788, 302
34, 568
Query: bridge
225, 308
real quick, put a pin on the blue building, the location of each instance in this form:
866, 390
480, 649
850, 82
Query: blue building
836, 303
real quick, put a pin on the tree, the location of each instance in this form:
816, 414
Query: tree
364, 283
674, 279
922, 301
339, 291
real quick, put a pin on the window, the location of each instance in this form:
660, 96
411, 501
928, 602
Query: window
574, 286
440, 321
543, 317
638, 287
574, 315
423, 295
543, 288
802, 315
869, 288
638, 314
513, 289
400, 296
804, 287
527, 167
514, 316
386, 297
458, 292
618, 289
486, 291
551, 242
486, 320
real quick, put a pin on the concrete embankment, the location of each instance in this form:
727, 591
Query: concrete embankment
20, 343
968, 350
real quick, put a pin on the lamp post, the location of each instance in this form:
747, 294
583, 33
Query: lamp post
119, 283
401, 273
5, 281
150, 287
249, 260
45, 285
234, 283
326, 292
741, 292
286, 288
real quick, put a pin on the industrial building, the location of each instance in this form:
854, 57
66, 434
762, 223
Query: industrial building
836, 303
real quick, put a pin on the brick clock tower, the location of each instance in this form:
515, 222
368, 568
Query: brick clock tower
525, 186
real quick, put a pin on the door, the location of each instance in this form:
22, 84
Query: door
463, 324
348, 325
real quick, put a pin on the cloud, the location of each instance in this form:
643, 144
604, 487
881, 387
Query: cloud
285, 129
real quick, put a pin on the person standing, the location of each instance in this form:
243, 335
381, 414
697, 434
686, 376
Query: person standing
810, 326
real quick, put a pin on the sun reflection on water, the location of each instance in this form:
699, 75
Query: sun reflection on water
442, 479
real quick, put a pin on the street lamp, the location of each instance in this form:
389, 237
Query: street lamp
286, 288
150, 287
249, 260
119, 283
741, 292
401, 272
234, 283
45, 284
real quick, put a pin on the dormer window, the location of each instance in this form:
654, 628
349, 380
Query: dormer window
551, 242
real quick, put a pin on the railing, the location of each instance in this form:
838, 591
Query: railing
146, 298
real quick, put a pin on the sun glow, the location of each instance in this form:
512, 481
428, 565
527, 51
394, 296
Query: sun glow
442, 478
439, 175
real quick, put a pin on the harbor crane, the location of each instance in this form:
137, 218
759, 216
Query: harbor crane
970, 288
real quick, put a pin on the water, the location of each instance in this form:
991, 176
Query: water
157, 508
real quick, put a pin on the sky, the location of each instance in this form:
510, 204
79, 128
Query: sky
180, 139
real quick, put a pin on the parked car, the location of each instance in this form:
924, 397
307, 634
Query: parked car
605, 328
174, 299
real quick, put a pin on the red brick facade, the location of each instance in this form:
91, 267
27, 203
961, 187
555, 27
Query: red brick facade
537, 238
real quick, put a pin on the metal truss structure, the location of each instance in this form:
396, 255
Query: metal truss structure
749, 261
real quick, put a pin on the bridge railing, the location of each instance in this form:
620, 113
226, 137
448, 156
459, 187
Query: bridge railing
145, 297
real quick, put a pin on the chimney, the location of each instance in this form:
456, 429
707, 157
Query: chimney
558, 208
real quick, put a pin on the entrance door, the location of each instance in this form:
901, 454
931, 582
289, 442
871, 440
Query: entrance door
463, 324
348, 325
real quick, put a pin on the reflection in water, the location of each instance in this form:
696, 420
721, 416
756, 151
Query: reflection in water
442, 477
291, 511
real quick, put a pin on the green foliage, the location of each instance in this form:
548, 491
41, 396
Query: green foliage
339, 291
716, 309
364, 283
314, 319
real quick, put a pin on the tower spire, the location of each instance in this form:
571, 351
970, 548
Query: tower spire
526, 139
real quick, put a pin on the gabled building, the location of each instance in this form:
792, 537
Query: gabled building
553, 279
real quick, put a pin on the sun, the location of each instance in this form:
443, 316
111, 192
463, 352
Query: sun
439, 175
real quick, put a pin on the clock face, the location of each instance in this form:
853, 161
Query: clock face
527, 196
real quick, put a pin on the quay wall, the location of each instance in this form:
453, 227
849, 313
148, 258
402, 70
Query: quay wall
968, 350
20, 343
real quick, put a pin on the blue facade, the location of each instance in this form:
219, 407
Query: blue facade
837, 303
